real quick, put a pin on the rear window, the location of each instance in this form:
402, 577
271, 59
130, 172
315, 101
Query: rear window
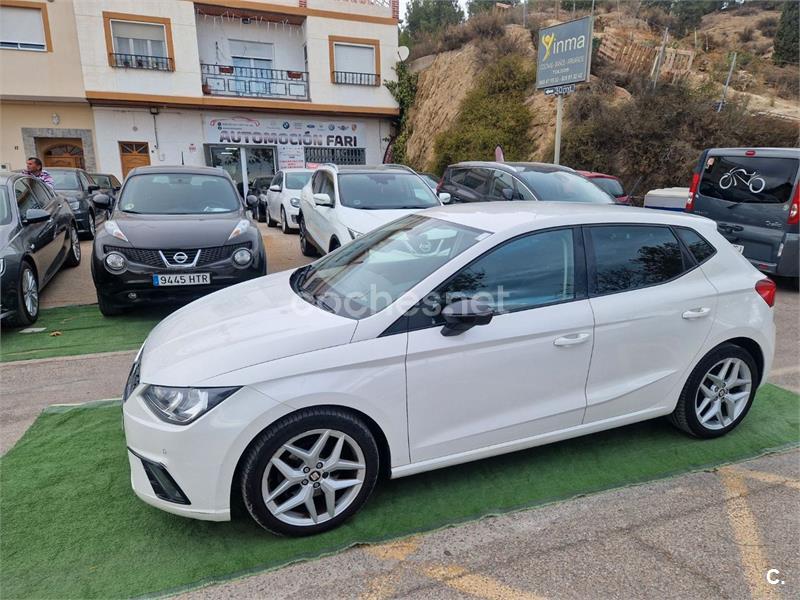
749, 179
561, 186
699, 248
608, 185
65, 180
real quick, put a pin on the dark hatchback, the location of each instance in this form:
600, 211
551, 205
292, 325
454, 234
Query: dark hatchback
494, 181
754, 196
38, 236
77, 186
176, 233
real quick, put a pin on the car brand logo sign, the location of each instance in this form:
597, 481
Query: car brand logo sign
180, 257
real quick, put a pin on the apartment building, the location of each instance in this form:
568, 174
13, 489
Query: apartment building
246, 85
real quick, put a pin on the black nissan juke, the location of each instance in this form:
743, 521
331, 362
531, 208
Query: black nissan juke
175, 234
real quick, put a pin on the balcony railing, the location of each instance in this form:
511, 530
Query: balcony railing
350, 78
228, 80
141, 61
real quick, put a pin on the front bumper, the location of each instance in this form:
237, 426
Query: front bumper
201, 457
292, 215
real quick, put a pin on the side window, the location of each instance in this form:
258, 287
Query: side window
698, 247
278, 179
502, 187
524, 273
115, 182
477, 179
627, 257
457, 176
85, 181
327, 185
523, 193
25, 197
316, 182
42, 192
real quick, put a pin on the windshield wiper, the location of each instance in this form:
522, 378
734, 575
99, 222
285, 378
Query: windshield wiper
315, 299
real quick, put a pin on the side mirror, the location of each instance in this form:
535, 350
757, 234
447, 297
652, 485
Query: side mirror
323, 200
445, 198
251, 200
92, 188
508, 193
117, 188
275, 188
101, 200
462, 315
35, 215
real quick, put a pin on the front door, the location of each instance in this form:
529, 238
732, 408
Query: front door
132, 155
524, 373
61, 152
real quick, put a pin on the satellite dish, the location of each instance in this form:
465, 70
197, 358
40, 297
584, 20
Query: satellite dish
403, 52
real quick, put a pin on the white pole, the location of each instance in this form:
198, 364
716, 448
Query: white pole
559, 111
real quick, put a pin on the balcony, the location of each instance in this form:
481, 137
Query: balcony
141, 61
349, 78
250, 82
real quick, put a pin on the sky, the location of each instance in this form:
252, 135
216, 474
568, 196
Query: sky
404, 3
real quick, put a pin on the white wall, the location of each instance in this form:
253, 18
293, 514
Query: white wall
100, 76
213, 35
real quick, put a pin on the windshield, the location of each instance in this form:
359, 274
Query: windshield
749, 179
65, 180
368, 274
608, 185
178, 194
102, 181
384, 191
561, 186
296, 181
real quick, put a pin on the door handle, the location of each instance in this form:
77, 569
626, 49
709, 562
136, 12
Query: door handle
697, 313
572, 339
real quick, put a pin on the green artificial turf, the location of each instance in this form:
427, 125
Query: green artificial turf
83, 330
71, 527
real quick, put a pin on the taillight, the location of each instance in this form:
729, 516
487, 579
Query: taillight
692, 192
766, 289
794, 208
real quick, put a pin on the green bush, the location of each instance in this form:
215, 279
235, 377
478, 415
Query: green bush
493, 113
787, 37
404, 91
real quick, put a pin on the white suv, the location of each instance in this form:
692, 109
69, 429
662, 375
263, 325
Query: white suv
340, 204
283, 198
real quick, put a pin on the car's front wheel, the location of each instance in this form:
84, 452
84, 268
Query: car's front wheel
306, 247
284, 222
270, 221
74, 253
260, 212
27, 297
309, 472
718, 393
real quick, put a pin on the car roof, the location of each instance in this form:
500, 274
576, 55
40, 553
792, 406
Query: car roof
769, 152
596, 175
498, 217
178, 169
73, 169
512, 167
370, 168
295, 170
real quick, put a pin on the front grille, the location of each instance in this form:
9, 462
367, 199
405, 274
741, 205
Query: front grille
152, 258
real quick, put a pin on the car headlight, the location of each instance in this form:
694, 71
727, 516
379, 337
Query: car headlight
74, 204
113, 229
354, 234
240, 228
116, 262
242, 257
295, 202
182, 405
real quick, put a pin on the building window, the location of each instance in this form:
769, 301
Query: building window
337, 156
355, 61
139, 42
24, 26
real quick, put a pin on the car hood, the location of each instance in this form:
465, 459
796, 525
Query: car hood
177, 231
244, 325
364, 221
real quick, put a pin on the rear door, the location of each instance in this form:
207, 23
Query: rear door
470, 184
749, 198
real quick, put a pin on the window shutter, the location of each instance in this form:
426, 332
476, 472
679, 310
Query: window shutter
354, 59
137, 31
251, 49
21, 25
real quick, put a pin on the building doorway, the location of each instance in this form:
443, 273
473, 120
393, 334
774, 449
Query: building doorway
242, 163
61, 152
132, 155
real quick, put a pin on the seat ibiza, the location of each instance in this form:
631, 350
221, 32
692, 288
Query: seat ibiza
446, 336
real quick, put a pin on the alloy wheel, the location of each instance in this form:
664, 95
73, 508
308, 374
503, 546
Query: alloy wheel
30, 292
284, 224
92, 228
723, 393
75, 243
313, 477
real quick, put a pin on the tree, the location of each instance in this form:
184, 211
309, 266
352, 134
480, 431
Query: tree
787, 40
475, 7
429, 16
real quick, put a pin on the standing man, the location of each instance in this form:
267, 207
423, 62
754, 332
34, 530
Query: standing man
34, 169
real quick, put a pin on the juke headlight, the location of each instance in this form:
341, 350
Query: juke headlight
181, 405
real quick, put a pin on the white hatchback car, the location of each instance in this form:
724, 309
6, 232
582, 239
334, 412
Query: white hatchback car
341, 203
282, 199
446, 336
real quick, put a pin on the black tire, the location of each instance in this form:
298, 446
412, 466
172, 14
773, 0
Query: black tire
306, 247
260, 217
284, 223
685, 416
22, 317
108, 308
270, 441
74, 252
334, 245
270, 221
89, 234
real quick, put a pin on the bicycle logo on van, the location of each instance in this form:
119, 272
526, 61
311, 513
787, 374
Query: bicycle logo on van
753, 181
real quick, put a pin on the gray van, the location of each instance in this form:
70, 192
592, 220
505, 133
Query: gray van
752, 194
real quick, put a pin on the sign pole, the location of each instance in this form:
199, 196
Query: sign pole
559, 112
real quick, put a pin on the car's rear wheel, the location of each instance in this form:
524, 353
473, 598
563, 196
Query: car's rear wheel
284, 223
107, 307
260, 213
309, 472
74, 253
27, 297
718, 393
270, 221
306, 247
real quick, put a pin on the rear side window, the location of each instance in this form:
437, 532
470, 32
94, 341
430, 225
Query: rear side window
749, 179
627, 257
608, 185
476, 179
698, 247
